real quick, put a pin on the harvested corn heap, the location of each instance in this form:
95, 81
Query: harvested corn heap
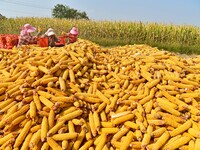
82, 96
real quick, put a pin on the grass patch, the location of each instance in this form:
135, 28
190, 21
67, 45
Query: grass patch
176, 47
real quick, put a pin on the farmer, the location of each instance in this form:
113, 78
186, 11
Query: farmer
52, 38
25, 37
71, 35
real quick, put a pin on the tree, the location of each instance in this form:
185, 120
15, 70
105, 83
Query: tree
2, 17
63, 11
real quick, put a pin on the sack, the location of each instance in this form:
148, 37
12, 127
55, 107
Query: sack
11, 41
2, 41
43, 42
62, 41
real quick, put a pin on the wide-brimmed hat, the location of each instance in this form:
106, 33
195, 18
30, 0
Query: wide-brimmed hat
29, 28
50, 32
74, 31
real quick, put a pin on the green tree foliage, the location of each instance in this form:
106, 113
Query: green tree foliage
2, 17
63, 11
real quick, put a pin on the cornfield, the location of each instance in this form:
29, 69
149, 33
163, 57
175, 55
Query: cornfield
110, 33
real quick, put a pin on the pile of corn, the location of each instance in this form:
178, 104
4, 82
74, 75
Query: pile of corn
82, 96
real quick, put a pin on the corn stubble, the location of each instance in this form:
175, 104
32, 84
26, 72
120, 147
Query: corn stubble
82, 96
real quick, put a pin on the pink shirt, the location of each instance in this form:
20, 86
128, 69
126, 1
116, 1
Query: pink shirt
24, 38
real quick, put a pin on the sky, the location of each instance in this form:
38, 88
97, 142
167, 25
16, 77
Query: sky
178, 12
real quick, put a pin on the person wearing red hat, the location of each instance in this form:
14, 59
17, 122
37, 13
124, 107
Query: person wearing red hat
71, 35
25, 37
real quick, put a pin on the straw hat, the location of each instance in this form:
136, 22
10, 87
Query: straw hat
50, 32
